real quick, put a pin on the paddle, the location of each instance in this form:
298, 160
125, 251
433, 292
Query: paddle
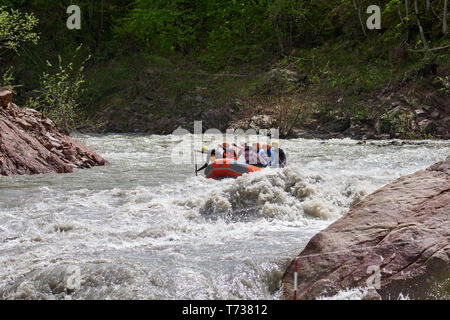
195, 161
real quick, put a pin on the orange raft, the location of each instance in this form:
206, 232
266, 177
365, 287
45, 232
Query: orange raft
228, 168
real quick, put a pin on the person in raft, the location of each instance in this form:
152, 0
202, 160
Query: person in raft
258, 157
228, 151
279, 155
245, 150
210, 157
269, 155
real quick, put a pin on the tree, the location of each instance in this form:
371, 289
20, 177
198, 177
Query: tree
61, 89
419, 24
16, 28
444, 21
358, 8
406, 8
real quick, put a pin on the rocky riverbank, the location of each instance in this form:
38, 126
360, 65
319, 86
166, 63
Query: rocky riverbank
396, 241
30, 143
283, 99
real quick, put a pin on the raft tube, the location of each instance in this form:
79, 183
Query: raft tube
228, 168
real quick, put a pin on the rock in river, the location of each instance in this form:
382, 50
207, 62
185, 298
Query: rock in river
396, 241
30, 143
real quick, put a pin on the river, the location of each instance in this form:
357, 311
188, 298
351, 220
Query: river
144, 228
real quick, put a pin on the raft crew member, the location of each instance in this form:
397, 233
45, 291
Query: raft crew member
253, 155
211, 156
261, 159
270, 156
245, 149
279, 153
228, 152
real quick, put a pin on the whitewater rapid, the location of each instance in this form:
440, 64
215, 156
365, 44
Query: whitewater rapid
144, 228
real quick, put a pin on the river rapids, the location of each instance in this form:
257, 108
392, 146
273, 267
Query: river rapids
144, 228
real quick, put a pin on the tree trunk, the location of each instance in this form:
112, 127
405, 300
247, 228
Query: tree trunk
279, 36
422, 35
407, 8
101, 20
428, 5
358, 8
444, 21
400, 14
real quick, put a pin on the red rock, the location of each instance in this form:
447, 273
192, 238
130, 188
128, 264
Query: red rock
402, 228
5, 97
31, 143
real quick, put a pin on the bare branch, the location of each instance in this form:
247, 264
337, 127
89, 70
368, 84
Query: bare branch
433, 49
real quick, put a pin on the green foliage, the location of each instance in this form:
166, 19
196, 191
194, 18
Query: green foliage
445, 83
220, 33
16, 28
163, 24
8, 80
60, 92
224, 28
321, 40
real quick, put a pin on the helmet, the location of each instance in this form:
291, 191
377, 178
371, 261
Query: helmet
276, 142
204, 148
256, 145
226, 145
266, 147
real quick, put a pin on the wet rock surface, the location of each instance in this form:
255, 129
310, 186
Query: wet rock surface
30, 143
402, 230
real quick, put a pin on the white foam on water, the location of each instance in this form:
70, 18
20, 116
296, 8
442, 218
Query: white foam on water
348, 294
357, 294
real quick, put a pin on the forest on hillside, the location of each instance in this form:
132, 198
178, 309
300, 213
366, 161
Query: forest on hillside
306, 63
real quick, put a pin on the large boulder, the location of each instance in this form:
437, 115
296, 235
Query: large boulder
30, 143
396, 241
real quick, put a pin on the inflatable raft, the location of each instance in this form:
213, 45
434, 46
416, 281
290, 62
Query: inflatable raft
228, 168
